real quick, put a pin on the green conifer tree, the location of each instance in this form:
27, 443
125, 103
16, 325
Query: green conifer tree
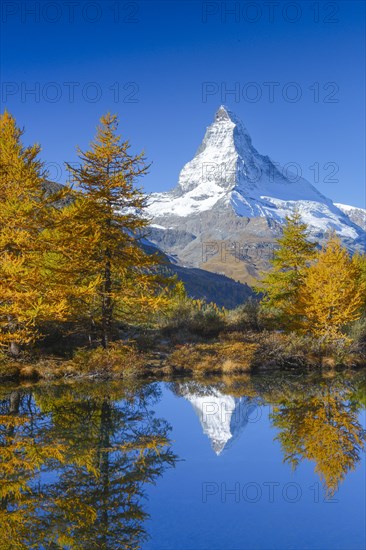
281, 285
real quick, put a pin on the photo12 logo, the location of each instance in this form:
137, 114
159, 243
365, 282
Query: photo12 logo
69, 92
292, 171
70, 12
270, 91
223, 411
223, 251
246, 11
61, 173
253, 492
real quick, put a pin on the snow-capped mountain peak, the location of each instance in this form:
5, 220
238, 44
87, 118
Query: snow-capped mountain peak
222, 417
230, 190
223, 113
228, 169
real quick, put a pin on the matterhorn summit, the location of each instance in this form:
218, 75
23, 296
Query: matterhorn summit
223, 417
230, 205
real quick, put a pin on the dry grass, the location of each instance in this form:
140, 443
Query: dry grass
118, 361
216, 358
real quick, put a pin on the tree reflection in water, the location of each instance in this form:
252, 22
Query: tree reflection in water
74, 461
316, 415
320, 423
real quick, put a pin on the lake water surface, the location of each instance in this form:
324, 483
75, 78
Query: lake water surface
274, 461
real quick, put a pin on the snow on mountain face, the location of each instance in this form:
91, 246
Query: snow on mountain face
227, 172
222, 417
356, 215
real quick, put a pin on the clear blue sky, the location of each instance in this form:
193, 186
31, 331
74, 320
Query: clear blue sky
149, 62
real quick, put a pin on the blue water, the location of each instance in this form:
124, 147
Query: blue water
263, 462
254, 500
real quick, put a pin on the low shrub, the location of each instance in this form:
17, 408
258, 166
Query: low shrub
295, 350
246, 317
286, 350
357, 333
195, 317
119, 360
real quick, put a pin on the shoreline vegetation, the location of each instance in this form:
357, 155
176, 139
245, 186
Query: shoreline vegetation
80, 296
199, 342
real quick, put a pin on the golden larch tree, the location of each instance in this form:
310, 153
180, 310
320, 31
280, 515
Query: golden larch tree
332, 293
26, 298
108, 216
359, 261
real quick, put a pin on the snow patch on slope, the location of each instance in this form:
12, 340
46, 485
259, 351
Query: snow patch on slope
227, 171
355, 214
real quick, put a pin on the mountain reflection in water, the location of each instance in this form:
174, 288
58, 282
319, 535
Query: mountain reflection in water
223, 417
77, 460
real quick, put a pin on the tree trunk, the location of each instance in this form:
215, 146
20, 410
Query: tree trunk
14, 402
107, 304
104, 467
14, 405
14, 349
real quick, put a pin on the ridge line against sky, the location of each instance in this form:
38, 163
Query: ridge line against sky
166, 67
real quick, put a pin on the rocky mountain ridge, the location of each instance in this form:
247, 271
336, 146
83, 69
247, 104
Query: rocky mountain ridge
230, 204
